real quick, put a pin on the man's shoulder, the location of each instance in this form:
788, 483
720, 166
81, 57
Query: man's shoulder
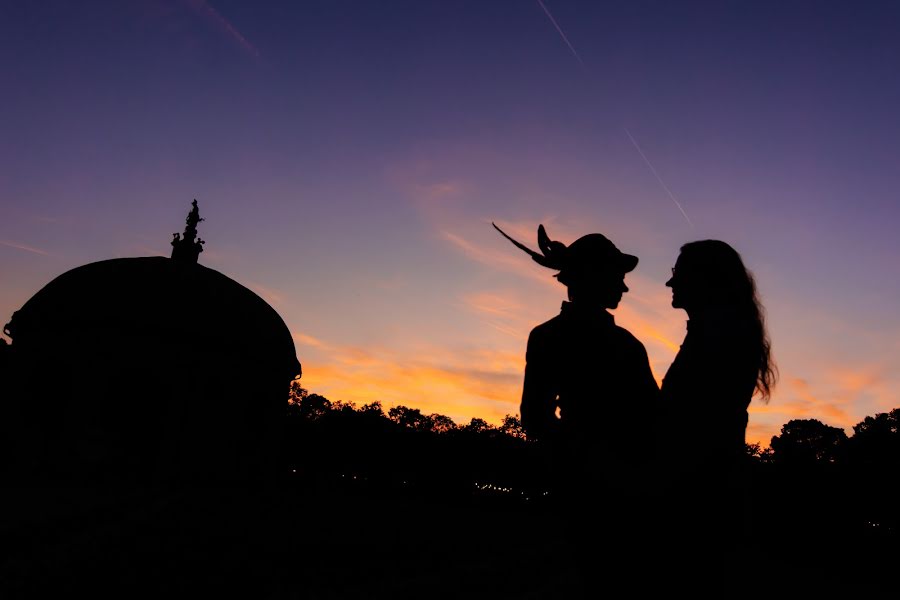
628, 339
547, 328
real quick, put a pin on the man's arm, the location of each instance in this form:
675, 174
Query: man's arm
647, 408
648, 389
539, 391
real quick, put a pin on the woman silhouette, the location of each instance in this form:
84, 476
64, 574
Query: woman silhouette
724, 360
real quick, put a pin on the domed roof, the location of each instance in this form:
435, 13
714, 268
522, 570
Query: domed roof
174, 307
146, 368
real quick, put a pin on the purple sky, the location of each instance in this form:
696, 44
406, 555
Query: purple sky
349, 156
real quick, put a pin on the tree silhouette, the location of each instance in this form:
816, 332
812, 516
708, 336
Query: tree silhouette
373, 409
296, 397
807, 442
305, 405
874, 456
512, 426
876, 440
411, 418
758, 455
344, 407
441, 423
477, 425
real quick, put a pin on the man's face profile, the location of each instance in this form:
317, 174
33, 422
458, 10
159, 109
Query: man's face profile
601, 290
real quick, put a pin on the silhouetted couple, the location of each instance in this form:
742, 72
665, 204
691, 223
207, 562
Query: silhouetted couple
648, 478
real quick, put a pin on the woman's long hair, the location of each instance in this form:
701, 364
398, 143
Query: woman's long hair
728, 283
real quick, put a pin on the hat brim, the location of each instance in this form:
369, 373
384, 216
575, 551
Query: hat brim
618, 266
628, 262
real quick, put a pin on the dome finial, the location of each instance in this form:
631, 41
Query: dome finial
189, 247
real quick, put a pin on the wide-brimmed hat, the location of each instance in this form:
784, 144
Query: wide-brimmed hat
591, 253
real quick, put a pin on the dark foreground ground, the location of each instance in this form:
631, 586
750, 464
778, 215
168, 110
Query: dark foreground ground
345, 539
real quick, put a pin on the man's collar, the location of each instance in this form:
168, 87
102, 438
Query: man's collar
570, 309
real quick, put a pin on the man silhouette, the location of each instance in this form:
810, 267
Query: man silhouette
589, 396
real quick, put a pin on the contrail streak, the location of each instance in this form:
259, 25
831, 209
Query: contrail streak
562, 35
631, 137
658, 178
23, 247
204, 8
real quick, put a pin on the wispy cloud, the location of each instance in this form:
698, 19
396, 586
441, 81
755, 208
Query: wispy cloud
513, 332
24, 248
502, 311
440, 190
494, 304
307, 340
512, 261
267, 293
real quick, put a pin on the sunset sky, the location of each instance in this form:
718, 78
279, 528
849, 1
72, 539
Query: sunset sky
349, 157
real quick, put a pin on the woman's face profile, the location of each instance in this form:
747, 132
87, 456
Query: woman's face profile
680, 282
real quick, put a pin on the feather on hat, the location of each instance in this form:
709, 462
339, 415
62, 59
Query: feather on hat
588, 253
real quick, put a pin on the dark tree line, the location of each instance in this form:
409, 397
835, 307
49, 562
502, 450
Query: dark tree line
407, 450
812, 474
815, 479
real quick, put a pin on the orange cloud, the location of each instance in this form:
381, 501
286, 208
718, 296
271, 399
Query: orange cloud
483, 383
835, 399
